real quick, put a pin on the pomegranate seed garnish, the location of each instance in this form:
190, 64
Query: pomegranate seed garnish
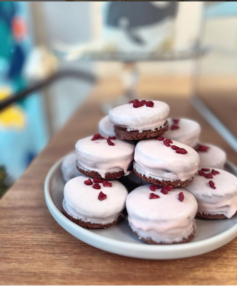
201, 173
160, 138
181, 196
202, 148
181, 151
143, 102
112, 137
96, 186
175, 121
110, 143
107, 184
164, 190
97, 136
150, 104
102, 196
97, 180
174, 147
205, 170
153, 188
88, 182
153, 196
174, 127
209, 175
214, 172
212, 184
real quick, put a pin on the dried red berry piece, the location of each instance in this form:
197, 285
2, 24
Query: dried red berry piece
169, 187
174, 127
153, 196
107, 183
160, 138
209, 175
181, 196
112, 137
143, 102
212, 184
205, 170
175, 121
133, 100
214, 172
150, 104
181, 151
97, 136
97, 180
110, 143
164, 190
202, 148
102, 196
153, 188
137, 103
174, 147
201, 173
88, 182
96, 186
167, 142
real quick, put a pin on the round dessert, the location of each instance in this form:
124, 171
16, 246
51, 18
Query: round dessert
69, 167
106, 128
94, 203
139, 120
211, 156
165, 162
103, 158
158, 218
216, 193
184, 131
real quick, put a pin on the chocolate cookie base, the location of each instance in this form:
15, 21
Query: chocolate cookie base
89, 225
94, 174
123, 134
211, 217
175, 183
151, 242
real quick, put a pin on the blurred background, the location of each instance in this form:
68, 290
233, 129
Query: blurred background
183, 50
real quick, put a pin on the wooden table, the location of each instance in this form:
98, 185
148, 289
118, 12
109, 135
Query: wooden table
34, 249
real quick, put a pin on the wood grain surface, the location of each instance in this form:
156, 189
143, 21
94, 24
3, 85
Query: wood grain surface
35, 250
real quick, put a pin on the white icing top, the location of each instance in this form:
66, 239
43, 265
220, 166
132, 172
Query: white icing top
188, 132
68, 167
81, 201
165, 219
214, 157
154, 159
222, 200
100, 157
142, 118
106, 128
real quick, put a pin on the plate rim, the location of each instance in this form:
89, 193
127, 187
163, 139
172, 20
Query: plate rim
195, 248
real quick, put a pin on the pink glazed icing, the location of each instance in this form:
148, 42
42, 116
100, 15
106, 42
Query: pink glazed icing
222, 200
214, 157
139, 119
100, 157
165, 219
106, 128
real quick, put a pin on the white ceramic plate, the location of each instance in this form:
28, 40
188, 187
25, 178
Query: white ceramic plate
211, 234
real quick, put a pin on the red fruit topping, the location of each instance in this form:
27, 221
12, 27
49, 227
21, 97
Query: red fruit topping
205, 170
214, 172
181, 196
167, 142
102, 196
153, 188
209, 175
97, 136
164, 190
137, 103
96, 186
212, 184
143, 102
88, 182
110, 142
153, 196
169, 187
175, 121
160, 138
174, 147
150, 104
201, 173
107, 184
112, 137
181, 151
174, 127
202, 148
97, 180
